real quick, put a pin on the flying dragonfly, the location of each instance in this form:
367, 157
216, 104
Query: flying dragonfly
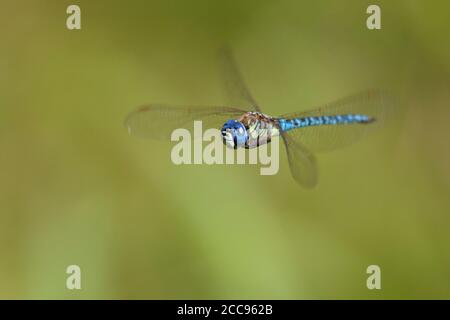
324, 128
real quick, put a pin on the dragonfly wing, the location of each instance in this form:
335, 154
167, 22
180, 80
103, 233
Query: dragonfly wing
375, 104
233, 80
301, 162
159, 121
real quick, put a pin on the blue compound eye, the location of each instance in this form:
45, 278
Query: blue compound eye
234, 133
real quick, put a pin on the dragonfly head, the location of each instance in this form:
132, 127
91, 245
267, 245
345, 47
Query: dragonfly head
234, 134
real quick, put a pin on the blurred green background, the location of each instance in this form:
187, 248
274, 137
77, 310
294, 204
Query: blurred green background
75, 188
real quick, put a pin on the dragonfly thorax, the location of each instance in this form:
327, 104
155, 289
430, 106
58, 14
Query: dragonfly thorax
251, 130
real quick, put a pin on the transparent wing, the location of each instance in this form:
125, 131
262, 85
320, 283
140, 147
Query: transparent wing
301, 162
234, 83
158, 121
328, 137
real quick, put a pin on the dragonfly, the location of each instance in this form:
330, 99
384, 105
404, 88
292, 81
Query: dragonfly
327, 127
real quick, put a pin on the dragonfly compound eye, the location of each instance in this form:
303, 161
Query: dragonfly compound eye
234, 134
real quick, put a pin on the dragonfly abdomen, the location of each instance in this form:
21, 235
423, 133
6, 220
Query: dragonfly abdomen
289, 124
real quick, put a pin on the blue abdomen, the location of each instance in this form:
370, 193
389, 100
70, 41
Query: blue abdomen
289, 124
